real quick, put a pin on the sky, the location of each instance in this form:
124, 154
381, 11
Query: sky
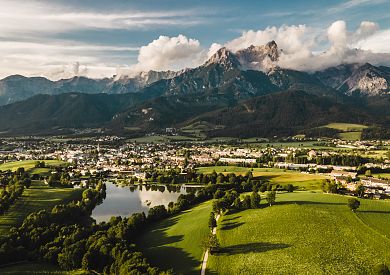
99, 38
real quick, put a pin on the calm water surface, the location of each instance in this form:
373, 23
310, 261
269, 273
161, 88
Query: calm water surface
124, 200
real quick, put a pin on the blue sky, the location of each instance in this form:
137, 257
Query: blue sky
96, 37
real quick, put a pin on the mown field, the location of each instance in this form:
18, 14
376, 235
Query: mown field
176, 242
346, 127
274, 175
27, 164
35, 198
376, 214
160, 138
351, 135
304, 233
350, 131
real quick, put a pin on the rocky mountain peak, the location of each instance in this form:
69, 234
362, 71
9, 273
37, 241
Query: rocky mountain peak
224, 57
261, 58
272, 50
363, 79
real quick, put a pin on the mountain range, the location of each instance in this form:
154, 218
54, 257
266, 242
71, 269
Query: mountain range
236, 94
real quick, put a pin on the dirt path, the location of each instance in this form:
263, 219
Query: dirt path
206, 255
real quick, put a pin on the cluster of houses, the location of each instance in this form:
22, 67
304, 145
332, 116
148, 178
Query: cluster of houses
373, 187
133, 159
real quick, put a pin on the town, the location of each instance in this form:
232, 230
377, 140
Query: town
358, 165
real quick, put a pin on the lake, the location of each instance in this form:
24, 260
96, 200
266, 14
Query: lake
126, 200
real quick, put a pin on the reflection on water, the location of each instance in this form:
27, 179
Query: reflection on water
126, 200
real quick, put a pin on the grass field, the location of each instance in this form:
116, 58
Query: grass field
376, 214
350, 131
274, 175
162, 138
40, 171
304, 233
351, 135
346, 127
296, 144
37, 197
376, 153
176, 242
382, 175
27, 164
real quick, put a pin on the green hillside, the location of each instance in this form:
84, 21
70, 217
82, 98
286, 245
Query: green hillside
304, 233
176, 242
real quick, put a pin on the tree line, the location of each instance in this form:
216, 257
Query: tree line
12, 185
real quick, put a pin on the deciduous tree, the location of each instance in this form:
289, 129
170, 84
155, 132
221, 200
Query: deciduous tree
271, 197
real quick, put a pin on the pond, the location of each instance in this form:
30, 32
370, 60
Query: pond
126, 200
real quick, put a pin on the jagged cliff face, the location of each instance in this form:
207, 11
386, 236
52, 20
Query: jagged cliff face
224, 58
262, 58
221, 75
357, 79
367, 80
372, 85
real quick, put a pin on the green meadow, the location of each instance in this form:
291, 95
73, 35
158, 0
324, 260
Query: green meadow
351, 135
274, 175
28, 164
160, 138
376, 214
346, 127
304, 233
176, 242
39, 196
382, 175
350, 131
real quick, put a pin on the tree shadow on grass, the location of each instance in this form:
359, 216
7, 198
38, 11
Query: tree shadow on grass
167, 257
231, 225
208, 271
231, 219
161, 251
157, 235
251, 248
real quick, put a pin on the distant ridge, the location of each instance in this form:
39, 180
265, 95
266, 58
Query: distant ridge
215, 90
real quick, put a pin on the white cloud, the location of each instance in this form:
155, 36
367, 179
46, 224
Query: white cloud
379, 42
213, 49
37, 18
56, 59
27, 28
170, 53
303, 47
366, 29
337, 35
289, 38
353, 4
